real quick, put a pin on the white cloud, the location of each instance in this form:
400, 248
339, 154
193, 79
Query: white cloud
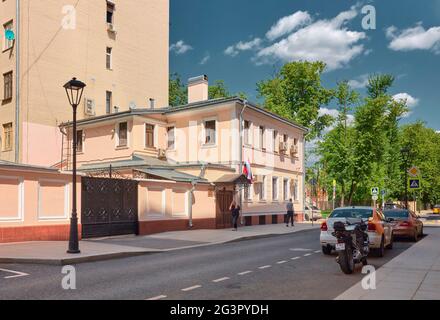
288, 24
410, 101
205, 59
416, 38
180, 47
360, 82
235, 49
325, 40
332, 112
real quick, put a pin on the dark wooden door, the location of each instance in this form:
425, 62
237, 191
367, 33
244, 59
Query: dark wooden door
109, 207
224, 217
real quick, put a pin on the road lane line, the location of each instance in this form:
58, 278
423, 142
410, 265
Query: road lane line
318, 251
244, 273
281, 262
307, 254
192, 288
157, 298
16, 274
295, 258
221, 279
300, 249
265, 267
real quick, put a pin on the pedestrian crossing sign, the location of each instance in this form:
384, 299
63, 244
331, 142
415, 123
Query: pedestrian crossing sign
414, 184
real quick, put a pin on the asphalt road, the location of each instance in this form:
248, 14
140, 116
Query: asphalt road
280, 267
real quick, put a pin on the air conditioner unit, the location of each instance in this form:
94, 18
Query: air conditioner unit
293, 150
283, 147
89, 107
161, 153
111, 27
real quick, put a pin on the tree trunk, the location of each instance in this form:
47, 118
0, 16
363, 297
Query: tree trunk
342, 194
352, 190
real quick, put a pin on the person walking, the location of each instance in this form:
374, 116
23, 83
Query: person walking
290, 213
235, 212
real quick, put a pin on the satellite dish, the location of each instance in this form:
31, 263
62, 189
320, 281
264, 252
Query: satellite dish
9, 35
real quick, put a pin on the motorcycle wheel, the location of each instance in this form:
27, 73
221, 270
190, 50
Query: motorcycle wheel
346, 261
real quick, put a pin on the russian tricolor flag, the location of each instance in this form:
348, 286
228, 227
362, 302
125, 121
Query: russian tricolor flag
247, 171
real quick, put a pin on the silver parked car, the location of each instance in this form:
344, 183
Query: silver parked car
312, 212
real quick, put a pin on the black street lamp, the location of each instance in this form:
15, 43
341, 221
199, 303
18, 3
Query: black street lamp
405, 156
74, 89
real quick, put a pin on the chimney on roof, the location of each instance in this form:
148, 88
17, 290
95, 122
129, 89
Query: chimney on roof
198, 89
152, 103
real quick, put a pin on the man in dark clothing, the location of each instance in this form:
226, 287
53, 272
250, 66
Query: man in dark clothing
235, 212
290, 213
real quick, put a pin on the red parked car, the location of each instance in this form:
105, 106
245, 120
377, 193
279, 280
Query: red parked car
406, 223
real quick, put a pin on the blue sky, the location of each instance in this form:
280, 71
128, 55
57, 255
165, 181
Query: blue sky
245, 41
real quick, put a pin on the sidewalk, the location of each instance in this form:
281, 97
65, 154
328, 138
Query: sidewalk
413, 275
54, 253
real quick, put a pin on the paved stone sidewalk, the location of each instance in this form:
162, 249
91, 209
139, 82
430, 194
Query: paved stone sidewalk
413, 275
54, 252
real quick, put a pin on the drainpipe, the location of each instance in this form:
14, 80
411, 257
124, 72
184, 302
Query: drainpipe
304, 176
17, 83
241, 128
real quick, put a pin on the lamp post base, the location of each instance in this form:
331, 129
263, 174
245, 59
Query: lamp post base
73, 241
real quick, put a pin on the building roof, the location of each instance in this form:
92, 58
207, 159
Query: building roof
173, 175
22, 166
232, 178
190, 106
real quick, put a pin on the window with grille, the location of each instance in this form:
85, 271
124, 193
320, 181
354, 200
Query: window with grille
149, 136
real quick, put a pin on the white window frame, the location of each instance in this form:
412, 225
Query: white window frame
246, 133
155, 132
7, 44
262, 137
174, 144
83, 140
20, 213
263, 196
210, 145
65, 216
276, 195
286, 189
111, 58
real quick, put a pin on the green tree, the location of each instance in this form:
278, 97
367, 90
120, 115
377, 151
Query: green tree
218, 90
178, 94
296, 93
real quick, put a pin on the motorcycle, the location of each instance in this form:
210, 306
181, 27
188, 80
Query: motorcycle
353, 245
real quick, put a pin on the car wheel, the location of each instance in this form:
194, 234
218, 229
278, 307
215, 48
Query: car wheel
327, 250
391, 244
381, 250
416, 236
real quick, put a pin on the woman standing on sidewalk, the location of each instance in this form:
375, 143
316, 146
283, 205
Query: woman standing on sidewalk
235, 212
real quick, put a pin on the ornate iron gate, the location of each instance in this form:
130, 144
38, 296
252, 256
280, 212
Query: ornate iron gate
109, 207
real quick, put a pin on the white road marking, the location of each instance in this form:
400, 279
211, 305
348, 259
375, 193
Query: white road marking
220, 280
318, 251
191, 288
307, 254
295, 258
265, 267
16, 274
300, 249
157, 298
244, 273
281, 262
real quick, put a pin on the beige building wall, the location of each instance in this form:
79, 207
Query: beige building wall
51, 54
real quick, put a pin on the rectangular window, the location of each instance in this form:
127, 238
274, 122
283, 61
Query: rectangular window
110, 12
262, 138
171, 138
263, 189
7, 43
149, 136
295, 190
79, 141
123, 134
210, 132
108, 102
108, 60
275, 141
7, 137
285, 138
7, 86
247, 126
286, 189
274, 188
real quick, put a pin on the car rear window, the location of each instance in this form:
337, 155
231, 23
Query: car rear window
352, 213
396, 214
